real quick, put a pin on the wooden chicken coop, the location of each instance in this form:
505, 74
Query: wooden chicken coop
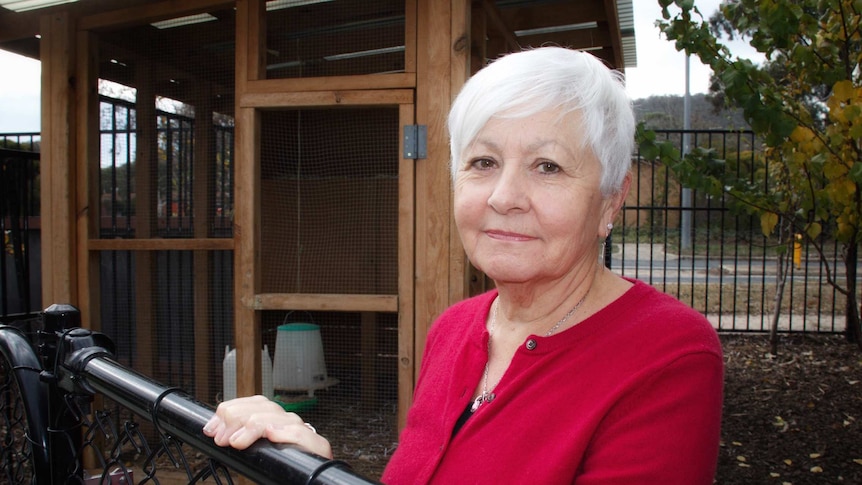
213, 169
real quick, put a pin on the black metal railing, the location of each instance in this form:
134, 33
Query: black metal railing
52, 374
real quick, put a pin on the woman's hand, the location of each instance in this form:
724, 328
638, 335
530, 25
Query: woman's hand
240, 422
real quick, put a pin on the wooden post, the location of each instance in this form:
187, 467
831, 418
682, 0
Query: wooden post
250, 15
58, 198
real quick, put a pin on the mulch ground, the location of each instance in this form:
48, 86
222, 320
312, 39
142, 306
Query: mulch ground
791, 418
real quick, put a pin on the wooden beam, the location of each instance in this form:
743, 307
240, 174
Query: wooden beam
323, 302
204, 213
250, 35
612, 25
162, 244
433, 183
58, 199
324, 98
146, 187
500, 25
87, 159
461, 70
406, 273
335, 83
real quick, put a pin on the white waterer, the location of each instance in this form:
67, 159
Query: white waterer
229, 373
299, 363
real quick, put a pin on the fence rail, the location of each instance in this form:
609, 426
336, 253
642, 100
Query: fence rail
51, 373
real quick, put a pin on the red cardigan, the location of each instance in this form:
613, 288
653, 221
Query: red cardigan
630, 395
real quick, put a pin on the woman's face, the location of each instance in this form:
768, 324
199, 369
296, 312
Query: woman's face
527, 200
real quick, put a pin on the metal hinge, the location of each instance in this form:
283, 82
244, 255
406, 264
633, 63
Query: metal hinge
415, 141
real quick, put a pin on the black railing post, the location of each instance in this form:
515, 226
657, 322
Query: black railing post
64, 434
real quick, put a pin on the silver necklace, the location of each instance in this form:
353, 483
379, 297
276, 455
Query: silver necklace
489, 396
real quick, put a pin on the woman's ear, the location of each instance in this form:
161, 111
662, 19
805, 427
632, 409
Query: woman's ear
614, 204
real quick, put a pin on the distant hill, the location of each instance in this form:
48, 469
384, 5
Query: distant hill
666, 112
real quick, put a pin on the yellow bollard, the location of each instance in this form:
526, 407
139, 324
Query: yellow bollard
797, 251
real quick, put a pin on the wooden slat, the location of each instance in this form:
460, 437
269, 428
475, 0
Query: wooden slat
247, 330
323, 302
203, 206
87, 113
461, 70
406, 273
145, 189
161, 244
410, 23
368, 81
327, 98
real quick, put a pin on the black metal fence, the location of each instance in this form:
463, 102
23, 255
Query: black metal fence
69, 412
20, 265
685, 243
694, 247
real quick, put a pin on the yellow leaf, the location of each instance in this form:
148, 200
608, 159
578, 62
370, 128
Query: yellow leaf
814, 455
768, 221
816, 469
801, 133
788, 461
740, 458
736, 443
774, 475
857, 461
843, 90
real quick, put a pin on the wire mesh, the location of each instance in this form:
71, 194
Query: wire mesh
329, 201
334, 38
166, 173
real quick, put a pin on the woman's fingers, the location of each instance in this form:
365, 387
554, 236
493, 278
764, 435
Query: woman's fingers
243, 420
240, 422
300, 434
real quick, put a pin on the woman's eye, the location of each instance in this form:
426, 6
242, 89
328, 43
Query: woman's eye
482, 163
549, 167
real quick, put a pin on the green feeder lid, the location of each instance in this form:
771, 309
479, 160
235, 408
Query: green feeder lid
297, 327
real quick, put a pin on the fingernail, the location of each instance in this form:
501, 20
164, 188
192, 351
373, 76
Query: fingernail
211, 424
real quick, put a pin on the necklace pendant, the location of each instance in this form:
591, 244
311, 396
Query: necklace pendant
476, 403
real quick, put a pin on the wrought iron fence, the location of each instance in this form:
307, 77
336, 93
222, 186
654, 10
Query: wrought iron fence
68, 415
19, 225
683, 242
718, 261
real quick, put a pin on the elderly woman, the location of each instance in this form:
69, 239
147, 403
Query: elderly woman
566, 372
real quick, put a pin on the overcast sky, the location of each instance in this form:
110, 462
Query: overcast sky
660, 71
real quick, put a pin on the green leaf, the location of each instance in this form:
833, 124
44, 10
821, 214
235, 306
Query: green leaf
813, 230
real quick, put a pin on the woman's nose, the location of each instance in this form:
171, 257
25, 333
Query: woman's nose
509, 192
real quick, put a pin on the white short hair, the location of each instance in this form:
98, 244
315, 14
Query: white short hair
551, 79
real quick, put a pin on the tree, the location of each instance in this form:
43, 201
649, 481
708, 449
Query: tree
805, 102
